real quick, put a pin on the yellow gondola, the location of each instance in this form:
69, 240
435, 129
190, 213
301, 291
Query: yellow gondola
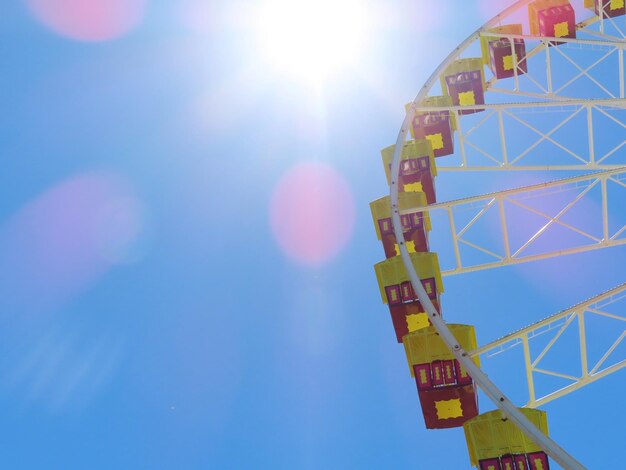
495, 443
415, 224
417, 167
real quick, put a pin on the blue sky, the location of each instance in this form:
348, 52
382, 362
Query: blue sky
149, 318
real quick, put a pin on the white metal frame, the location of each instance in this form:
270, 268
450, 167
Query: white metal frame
556, 325
585, 25
480, 206
583, 159
605, 49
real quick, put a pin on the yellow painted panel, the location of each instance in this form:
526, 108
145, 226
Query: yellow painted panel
467, 98
423, 378
447, 409
507, 62
391, 271
413, 188
436, 140
489, 436
425, 345
417, 321
561, 29
410, 246
613, 5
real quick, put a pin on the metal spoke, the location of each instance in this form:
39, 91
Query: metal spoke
562, 320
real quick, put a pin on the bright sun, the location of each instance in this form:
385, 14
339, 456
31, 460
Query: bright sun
312, 40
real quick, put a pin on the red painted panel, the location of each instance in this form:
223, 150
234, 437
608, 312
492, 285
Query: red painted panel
507, 463
422, 176
407, 292
422, 376
428, 186
489, 464
412, 166
466, 394
607, 9
426, 179
462, 377
393, 294
389, 244
555, 15
399, 314
406, 167
430, 286
419, 237
385, 226
425, 118
432, 124
449, 376
498, 50
398, 317
538, 461
417, 219
520, 462
405, 220
423, 163
437, 378
464, 82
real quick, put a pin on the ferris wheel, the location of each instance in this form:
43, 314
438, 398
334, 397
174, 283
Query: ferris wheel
540, 87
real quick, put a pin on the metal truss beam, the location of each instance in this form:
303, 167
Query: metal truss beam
600, 235
544, 86
500, 154
556, 325
601, 21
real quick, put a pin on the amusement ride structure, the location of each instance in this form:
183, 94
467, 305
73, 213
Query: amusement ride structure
534, 89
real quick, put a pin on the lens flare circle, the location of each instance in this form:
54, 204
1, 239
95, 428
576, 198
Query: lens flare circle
89, 20
66, 239
312, 213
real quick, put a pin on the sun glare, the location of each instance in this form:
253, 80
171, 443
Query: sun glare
312, 40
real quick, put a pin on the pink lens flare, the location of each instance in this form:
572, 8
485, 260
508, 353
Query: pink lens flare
65, 239
312, 213
89, 20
